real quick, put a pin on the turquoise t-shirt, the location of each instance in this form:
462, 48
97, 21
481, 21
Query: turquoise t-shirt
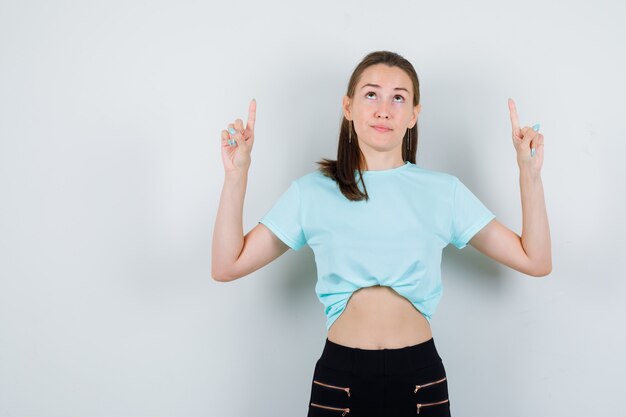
395, 239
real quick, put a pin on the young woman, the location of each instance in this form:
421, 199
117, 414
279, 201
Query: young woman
377, 224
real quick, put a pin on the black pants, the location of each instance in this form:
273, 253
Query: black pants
355, 382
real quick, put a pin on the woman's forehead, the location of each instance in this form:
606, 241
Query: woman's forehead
384, 76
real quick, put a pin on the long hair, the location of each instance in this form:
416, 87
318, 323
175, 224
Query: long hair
349, 155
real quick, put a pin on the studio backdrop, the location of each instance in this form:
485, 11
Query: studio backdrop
111, 174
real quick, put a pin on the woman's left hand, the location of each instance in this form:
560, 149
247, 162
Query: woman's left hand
528, 143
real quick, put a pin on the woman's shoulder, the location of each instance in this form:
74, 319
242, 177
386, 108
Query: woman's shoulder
318, 178
314, 179
431, 176
425, 178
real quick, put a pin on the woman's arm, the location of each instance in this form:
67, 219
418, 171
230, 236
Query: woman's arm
531, 253
232, 254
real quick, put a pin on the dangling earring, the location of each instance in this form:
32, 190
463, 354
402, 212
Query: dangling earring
408, 142
349, 131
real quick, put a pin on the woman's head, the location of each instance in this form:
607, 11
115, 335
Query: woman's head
383, 92
380, 108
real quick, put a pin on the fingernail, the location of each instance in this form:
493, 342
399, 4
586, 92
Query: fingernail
231, 130
536, 127
532, 152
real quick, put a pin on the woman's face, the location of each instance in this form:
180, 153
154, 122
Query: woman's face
382, 108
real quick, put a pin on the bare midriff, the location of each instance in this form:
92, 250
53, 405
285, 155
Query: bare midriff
379, 318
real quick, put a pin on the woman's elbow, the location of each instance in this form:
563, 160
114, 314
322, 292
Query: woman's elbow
217, 276
541, 270
221, 275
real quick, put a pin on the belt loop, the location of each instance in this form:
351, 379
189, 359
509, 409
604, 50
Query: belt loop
412, 360
386, 359
352, 361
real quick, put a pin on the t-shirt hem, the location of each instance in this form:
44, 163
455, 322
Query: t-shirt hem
282, 236
469, 234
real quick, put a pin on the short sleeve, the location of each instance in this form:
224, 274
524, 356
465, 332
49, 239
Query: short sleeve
469, 215
283, 219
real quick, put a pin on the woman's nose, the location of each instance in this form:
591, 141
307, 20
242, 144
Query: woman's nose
382, 111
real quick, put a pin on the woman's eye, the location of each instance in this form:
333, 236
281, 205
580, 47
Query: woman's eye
372, 94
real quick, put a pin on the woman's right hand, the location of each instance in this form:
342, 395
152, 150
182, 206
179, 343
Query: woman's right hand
237, 158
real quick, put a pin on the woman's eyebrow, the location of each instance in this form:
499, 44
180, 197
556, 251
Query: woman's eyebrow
377, 86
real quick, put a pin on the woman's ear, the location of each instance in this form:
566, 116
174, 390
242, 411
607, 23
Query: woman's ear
347, 113
416, 112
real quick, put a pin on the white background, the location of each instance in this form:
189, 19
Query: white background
110, 177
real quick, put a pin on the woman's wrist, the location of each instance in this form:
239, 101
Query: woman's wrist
529, 173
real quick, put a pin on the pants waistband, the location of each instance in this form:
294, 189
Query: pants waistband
380, 361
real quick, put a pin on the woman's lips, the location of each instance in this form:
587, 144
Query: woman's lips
381, 129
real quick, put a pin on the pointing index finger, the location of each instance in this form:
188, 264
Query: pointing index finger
514, 116
251, 115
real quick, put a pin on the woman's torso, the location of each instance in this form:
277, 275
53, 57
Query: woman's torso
379, 318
